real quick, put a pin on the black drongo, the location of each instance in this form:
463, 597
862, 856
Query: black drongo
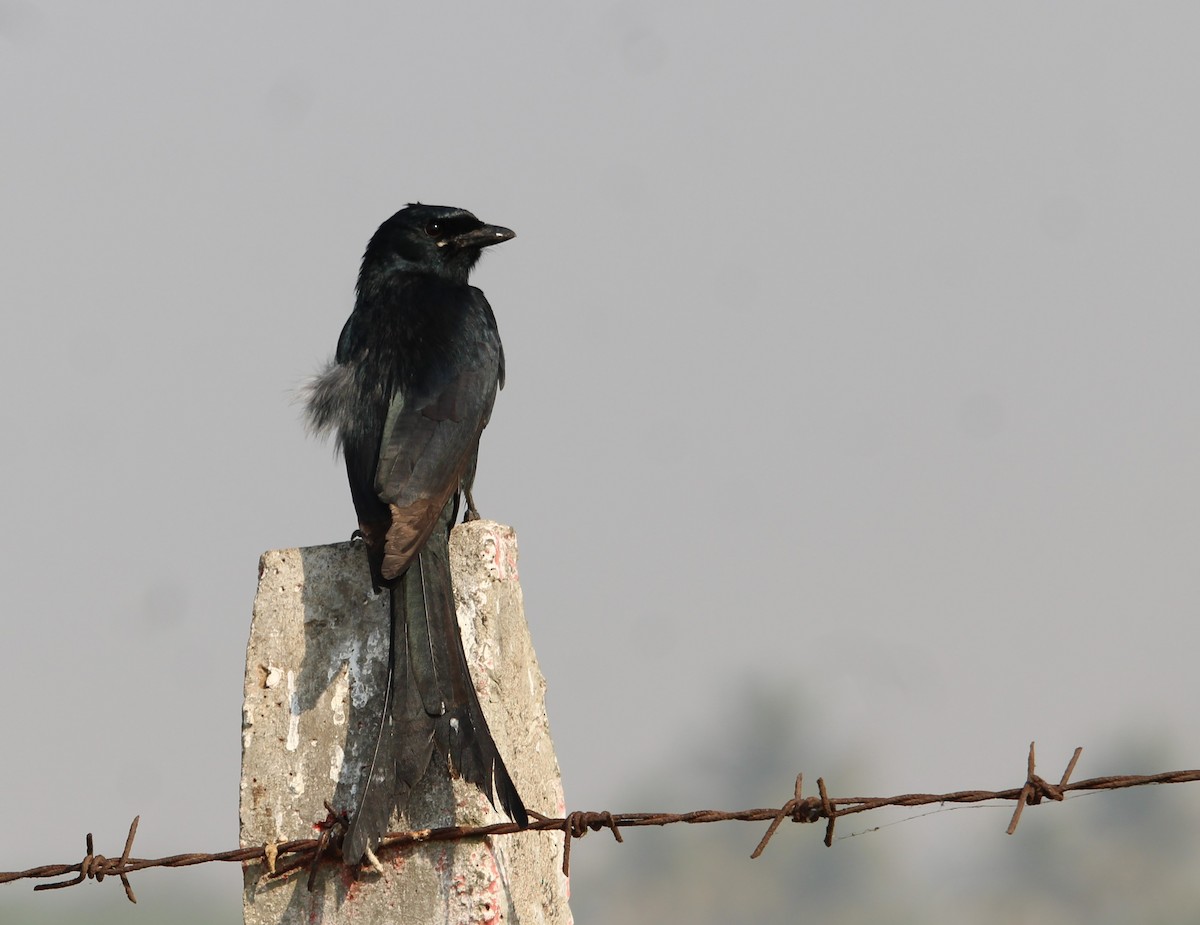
409, 392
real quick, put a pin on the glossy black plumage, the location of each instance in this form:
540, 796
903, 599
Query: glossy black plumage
410, 390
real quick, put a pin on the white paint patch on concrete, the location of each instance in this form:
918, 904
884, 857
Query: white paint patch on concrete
293, 733
337, 699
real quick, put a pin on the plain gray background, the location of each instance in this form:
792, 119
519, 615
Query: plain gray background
852, 425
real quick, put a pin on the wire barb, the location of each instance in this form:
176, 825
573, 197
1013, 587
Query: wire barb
828, 810
97, 866
800, 809
577, 825
1036, 788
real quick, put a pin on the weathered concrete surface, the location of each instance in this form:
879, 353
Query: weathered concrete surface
315, 667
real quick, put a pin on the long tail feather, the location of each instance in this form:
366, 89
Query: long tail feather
430, 699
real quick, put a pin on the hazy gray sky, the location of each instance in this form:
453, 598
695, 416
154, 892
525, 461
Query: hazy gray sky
852, 348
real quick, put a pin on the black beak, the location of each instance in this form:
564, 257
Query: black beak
484, 236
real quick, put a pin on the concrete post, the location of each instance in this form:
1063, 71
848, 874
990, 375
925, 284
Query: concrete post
314, 668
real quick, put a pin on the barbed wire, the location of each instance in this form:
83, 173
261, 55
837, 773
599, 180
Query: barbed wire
307, 854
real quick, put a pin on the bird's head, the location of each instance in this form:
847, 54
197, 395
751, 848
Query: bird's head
438, 240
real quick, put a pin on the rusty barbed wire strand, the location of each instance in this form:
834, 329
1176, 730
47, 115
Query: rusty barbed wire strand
307, 854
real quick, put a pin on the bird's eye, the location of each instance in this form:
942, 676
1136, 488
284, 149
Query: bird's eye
433, 229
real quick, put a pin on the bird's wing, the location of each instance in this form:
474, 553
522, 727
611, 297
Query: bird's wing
428, 441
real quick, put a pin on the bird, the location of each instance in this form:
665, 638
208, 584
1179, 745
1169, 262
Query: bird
408, 393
